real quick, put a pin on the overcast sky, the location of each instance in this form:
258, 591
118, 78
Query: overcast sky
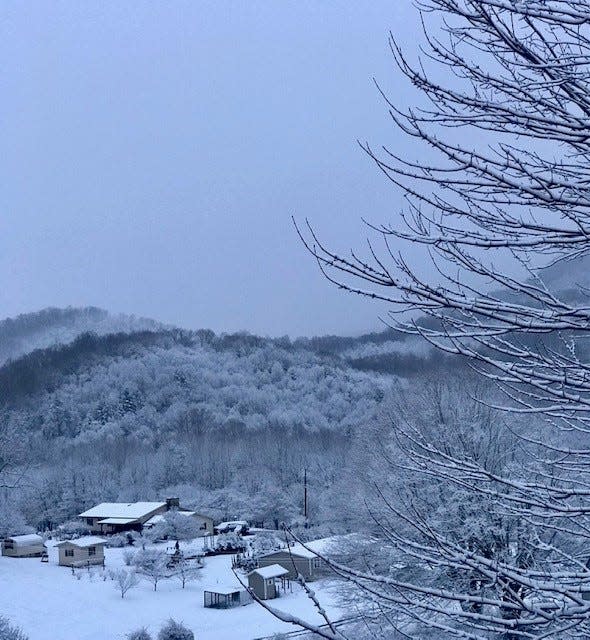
154, 152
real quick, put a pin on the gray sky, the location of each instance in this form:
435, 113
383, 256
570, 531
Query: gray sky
154, 153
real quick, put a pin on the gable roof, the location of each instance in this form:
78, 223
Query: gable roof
86, 541
159, 517
315, 547
297, 552
131, 510
29, 538
272, 571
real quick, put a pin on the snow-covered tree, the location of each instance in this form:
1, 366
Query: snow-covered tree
186, 570
9, 632
151, 563
124, 579
175, 526
496, 190
139, 634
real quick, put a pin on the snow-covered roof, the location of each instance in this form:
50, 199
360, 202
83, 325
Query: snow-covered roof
86, 541
133, 510
233, 525
314, 548
29, 538
272, 571
159, 517
226, 591
297, 551
117, 520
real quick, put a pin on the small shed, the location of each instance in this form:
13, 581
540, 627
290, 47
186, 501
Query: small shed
263, 581
226, 597
81, 552
26, 546
296, 559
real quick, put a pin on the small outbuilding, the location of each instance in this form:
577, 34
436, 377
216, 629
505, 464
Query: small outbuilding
226, 597
26, 546
296, 560
263, 581
81, 552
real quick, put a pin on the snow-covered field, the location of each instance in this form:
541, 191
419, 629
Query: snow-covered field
48, 602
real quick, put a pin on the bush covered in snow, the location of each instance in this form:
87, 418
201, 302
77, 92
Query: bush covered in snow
173, 630
174, 525
265, 543
117, 541
73, 529
227, 543
140, 634
8, 632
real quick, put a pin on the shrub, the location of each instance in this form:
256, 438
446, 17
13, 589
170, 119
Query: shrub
8, 632
173, 630
73, 529
140, 634
118, 540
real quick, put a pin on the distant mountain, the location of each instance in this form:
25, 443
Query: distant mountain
51, 327
571, 277
116, 375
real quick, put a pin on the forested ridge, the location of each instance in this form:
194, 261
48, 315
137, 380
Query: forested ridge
229, 419
135, 410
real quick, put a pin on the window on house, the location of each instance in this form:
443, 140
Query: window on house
91, 551
69, 553
90, 521
317, 563
203, 526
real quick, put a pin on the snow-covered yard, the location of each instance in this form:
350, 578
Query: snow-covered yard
48, 602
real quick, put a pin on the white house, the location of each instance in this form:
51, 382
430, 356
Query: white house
82, 552
114, 517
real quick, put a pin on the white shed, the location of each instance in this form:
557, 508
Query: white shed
26, 546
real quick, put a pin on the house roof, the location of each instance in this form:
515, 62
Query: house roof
132, 510
226, 591
117, 520
29, 538
297, 551
159, 517
272, 571
86, 541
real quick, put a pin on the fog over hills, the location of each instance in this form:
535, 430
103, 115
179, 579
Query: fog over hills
51, 327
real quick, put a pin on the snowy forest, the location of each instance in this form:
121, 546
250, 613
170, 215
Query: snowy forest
229, 423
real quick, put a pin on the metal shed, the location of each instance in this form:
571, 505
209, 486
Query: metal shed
226, 597
26, 546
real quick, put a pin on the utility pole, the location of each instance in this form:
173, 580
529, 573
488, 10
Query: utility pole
305, 495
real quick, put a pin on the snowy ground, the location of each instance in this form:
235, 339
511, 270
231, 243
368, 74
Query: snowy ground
48, 602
